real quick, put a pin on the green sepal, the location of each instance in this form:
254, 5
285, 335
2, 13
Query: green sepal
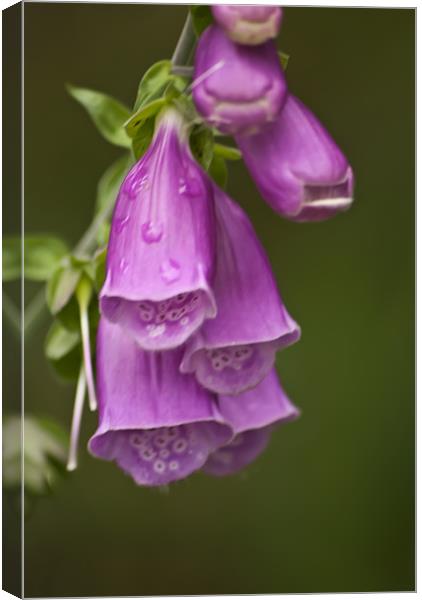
143, 138
218, 171
284, 59
107, 113
201, 18
12, 258
227, 152
153, 83
142, 114
202, 145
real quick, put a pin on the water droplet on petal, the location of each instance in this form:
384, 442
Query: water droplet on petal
152, 232
123, 265
120, 224
170, 270
189, 186
144, 185
157, 331
137, 185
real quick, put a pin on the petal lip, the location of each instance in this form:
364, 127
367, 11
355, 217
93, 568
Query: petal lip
253, 416
159, 426
160, 335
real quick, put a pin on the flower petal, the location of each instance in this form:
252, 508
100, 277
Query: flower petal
234, 351
161, 248
297, 167
237, 88
157, 424
253, 416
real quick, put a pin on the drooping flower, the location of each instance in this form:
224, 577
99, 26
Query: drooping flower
253, 416
297, 167
158, 425
161, 248
251, 25
234, 351
237, 88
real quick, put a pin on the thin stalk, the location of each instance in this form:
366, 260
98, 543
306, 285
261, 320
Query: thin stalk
72, 461
83, 294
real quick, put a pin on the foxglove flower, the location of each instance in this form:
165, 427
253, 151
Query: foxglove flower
161, 248
253, 416
237, 88
234, 351
157, 424
251, 24
297, 167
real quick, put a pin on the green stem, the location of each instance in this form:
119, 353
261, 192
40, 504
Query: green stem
185, 44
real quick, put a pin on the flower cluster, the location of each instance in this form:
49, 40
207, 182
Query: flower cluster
191, 317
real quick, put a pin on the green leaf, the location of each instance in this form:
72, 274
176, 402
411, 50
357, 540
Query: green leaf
12, 258
61, 288
42, 256
60, 341
153, 83
284, 59
142, 140
69, 315
227, 152
218, 171
67, 368
202, 144
201, 18
108, 114
63, 350
142, 114
110, 182
44, 453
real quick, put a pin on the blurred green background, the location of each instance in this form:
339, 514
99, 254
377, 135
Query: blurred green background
330, 506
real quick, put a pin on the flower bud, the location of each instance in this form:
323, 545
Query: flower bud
237, 89
297, 167
251, 25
